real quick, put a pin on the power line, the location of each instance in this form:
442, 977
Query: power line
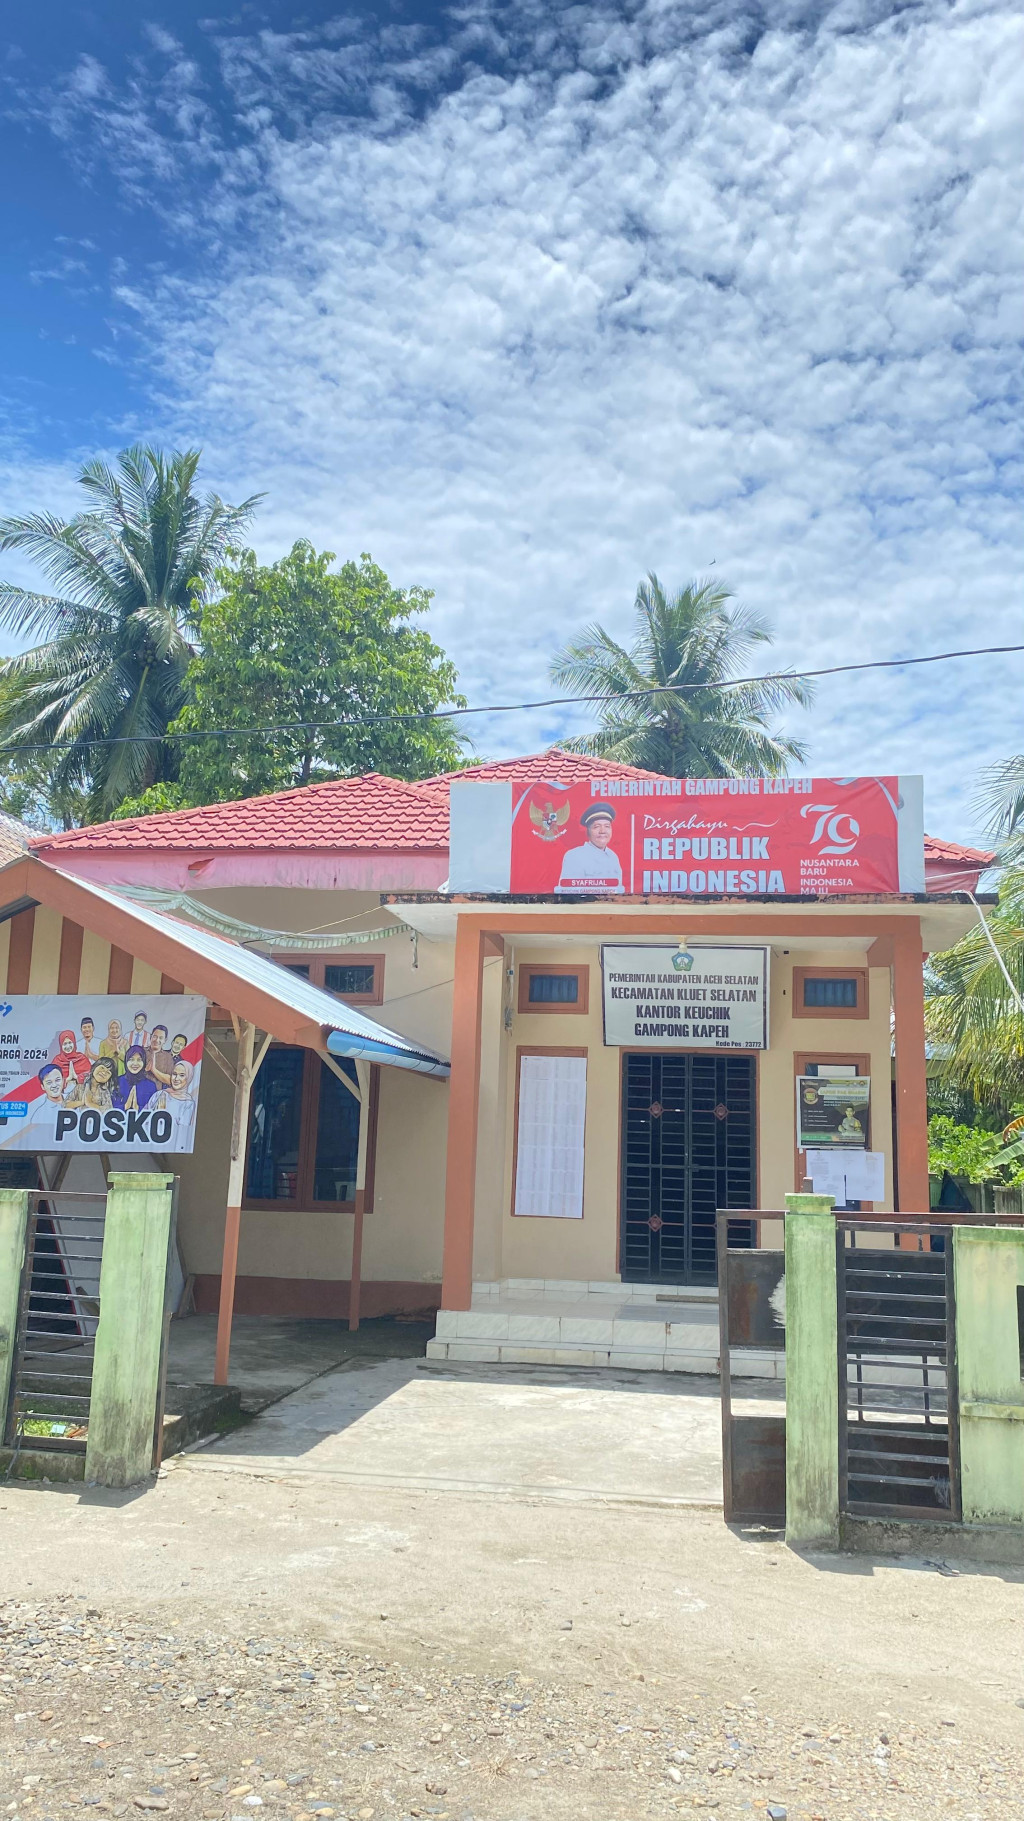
451, 714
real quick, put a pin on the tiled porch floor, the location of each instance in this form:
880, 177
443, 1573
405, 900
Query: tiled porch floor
642, 1327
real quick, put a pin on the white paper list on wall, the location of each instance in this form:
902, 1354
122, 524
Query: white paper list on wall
549, 1136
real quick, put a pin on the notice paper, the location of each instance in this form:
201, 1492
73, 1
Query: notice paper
549, 1136
848, 1175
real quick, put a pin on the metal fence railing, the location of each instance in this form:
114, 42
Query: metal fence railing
58, 1314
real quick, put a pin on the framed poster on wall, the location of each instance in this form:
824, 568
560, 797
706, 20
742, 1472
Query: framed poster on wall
832, 1110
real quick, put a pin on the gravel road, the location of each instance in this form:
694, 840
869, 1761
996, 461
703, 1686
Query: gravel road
102, 1710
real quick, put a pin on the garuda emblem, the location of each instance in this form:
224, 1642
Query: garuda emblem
549, 822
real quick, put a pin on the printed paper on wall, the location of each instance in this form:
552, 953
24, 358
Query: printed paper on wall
549, 1136
847, 1174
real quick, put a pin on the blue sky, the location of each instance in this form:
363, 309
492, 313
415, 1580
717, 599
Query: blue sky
528, 298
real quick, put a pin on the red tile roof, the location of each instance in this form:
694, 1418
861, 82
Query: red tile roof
371, 812
554, 765
934, 849
382, 814
948, 867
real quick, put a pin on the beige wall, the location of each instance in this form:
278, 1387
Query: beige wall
579, 1249
402, 1233
45, 950
95, 969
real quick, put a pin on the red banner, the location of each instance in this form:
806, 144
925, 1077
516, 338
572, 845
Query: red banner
757, 836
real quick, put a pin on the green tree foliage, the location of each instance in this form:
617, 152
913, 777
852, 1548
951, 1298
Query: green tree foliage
690, 637
963, 1150
27, 791
299, 642
129, 574
967, 1151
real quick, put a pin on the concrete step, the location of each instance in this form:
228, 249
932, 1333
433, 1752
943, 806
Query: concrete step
510, 1351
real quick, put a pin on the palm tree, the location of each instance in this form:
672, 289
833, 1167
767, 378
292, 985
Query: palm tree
973, 1012
129, 574
975, 990
1001, 797
715, 730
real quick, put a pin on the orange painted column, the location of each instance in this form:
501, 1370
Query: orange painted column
463, 1118
911, 1075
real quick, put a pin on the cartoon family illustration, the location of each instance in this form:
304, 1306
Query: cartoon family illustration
131, 1069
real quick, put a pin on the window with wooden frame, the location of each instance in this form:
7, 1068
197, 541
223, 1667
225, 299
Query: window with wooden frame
830, 992
553, 989
358, 979
304, 1134
304, 1122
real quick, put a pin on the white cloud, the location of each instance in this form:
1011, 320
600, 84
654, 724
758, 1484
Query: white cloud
576, 294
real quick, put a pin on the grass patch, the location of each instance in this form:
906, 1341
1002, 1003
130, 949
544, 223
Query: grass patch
53, 1427
230, 1420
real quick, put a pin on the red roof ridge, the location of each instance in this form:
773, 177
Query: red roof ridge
953, 850
584, 764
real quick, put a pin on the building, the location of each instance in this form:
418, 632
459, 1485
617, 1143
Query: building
563, 1164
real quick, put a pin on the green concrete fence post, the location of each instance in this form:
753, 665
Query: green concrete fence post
13, 1240
126, 1369
812, 1372
988, 1266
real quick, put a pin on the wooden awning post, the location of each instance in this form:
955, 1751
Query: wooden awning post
243, 1073
360, 1092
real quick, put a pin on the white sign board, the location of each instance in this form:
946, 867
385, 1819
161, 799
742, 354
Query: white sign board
100, 1072
549, 1136
686, 999
848, 1175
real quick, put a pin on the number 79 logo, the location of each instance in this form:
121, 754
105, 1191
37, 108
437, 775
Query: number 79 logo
830, 822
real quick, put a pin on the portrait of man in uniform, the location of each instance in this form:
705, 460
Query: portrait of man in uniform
594, 866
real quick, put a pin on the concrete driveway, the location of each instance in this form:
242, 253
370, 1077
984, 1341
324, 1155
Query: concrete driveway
554, 1434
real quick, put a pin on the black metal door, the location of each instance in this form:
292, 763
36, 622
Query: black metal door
688, 1149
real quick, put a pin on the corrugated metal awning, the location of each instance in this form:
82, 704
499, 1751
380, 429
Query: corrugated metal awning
263, 991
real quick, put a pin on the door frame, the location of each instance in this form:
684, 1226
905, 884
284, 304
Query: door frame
648, 1049
862, 1063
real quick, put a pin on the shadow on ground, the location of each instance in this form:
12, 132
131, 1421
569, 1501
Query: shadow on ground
270, 1358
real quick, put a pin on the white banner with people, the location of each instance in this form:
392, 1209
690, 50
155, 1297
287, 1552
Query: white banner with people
100, 1072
